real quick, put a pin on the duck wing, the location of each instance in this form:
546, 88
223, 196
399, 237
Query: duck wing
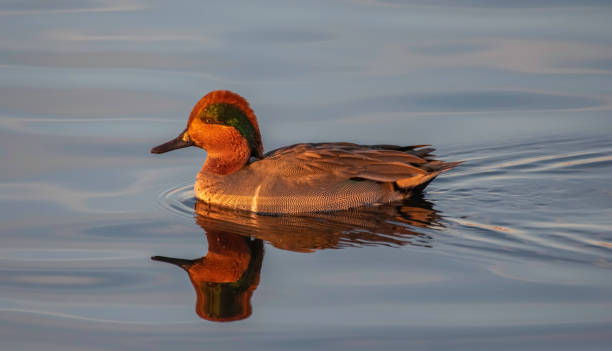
407, 166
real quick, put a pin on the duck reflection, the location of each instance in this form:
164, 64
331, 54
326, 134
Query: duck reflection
225, 279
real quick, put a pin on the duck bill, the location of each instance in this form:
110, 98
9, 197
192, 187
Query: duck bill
181, 141
185, 264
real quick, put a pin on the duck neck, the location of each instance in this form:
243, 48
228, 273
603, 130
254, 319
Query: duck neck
227, 160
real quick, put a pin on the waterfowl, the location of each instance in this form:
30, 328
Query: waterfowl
308, 177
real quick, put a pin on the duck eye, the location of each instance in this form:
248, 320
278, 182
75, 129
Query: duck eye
209, 120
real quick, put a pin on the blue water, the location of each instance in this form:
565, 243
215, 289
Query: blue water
511, 250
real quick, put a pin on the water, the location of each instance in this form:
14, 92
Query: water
513, 249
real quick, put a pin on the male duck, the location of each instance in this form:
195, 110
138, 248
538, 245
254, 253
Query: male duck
297, 178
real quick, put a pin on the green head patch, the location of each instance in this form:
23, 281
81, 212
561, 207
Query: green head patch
232, 116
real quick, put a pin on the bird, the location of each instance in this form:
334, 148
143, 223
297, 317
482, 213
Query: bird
300, 178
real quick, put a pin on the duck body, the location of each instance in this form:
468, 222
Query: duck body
309, 177
321, 177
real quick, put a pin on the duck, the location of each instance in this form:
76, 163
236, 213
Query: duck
300, 178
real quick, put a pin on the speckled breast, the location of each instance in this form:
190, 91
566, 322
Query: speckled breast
274, 195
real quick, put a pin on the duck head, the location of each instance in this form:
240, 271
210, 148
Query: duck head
223, 124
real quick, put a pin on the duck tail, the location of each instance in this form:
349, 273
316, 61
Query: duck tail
417, 184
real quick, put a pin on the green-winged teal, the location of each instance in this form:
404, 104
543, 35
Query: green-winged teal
297, 178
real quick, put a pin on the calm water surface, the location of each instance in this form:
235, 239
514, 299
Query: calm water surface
513, 249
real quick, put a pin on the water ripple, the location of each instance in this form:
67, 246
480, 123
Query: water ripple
544, 207
179, 200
